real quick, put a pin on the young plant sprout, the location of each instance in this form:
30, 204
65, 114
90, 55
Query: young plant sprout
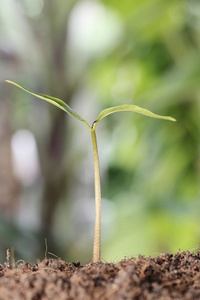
125, 107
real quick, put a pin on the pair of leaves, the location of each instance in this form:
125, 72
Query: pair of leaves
125, 107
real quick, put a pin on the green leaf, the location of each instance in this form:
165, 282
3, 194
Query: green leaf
62, 105
130, 108
55, 101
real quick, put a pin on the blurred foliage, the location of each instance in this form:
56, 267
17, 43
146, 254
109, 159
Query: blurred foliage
95, 54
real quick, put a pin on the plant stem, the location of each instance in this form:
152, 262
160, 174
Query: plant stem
97, 229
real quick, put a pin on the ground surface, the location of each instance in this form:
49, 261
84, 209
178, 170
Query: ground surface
167, 276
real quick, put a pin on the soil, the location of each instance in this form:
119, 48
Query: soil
167, 276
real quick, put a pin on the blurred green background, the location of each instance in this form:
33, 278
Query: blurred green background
96, 54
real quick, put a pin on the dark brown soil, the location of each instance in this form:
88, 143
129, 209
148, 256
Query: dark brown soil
167, 276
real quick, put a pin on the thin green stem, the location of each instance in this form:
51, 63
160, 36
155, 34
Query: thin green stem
97, 229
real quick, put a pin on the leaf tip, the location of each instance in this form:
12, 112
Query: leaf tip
172, 119
9, 81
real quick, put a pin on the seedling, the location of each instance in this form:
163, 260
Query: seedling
125, 107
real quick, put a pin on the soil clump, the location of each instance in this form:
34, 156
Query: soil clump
167, 276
